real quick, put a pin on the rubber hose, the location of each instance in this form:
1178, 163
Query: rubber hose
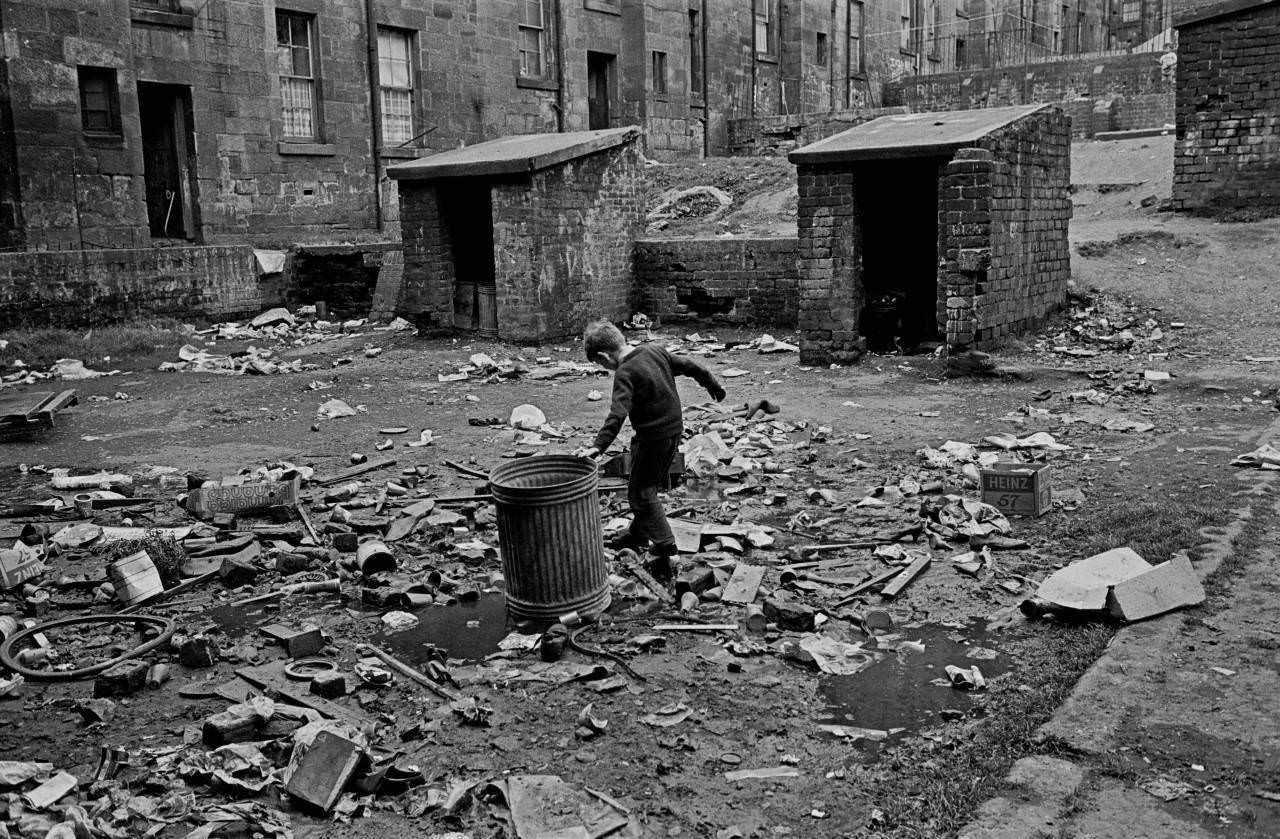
166, 625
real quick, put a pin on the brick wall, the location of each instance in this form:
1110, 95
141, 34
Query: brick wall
562, 242
1227, 148
1019, 200
738, 280
831, 295
1001, 241
85, 288
1131, 87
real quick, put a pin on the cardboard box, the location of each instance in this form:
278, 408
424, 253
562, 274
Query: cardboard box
17, 566
1017, 489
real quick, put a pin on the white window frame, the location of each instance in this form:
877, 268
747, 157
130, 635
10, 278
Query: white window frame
533, 63
765, 28
299, 92
857, 23
395, 84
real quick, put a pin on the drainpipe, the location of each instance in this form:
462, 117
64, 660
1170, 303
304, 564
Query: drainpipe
375, 109
560, 65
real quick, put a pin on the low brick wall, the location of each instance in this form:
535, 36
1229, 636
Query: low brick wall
84, 288
745, 281
1099, 93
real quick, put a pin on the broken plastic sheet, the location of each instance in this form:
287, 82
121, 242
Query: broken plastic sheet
834, 657
1266, 456
703, 453
1039, 440
74, 370
546, 807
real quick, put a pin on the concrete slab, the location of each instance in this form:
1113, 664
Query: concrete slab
517, 154
911, 135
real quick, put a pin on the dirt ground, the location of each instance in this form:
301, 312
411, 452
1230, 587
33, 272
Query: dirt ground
704, 704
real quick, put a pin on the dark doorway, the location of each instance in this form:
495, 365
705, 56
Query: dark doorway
897, 208
599, 85
468, 212
168, 166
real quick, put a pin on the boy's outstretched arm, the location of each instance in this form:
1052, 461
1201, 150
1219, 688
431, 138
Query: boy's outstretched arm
619, 408
683, 366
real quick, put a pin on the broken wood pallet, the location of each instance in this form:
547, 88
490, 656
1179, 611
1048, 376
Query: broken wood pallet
25, 412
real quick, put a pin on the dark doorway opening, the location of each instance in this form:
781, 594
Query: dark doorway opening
897, 210
168, 149
467, 210
599, 87
342, 277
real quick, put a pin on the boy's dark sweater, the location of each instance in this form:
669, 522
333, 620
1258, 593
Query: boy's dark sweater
644, 389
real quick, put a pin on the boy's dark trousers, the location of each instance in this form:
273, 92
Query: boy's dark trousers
650, 462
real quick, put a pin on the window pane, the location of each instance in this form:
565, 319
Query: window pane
298, 107
531, 52
397, 116
531, 12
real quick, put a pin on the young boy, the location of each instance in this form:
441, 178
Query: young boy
644, 389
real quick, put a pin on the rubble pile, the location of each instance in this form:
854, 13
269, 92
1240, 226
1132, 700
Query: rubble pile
287, 594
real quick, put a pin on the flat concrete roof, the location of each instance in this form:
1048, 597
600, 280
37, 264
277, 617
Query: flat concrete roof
1210, 11
517, 154
911, 135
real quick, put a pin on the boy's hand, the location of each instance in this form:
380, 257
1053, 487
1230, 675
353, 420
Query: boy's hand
589, 452
717, 392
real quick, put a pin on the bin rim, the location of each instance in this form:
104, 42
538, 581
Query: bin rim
590, 470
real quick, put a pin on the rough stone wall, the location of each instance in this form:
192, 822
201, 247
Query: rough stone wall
1133, 89
562, 244
777, 135
739, 280
1012, 191
86, 288
831, 295
1227, 147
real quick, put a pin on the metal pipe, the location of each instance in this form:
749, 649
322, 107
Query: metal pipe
560, 66
375, 110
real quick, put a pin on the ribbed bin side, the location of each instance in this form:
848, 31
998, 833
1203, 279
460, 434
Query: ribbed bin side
549, 532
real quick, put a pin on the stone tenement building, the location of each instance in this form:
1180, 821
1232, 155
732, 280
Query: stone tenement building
270, 122
1227, 146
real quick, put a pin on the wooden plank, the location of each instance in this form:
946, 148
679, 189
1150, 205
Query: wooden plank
871, 583
743, 584
904, 579
23, 405
353, 471
271, 677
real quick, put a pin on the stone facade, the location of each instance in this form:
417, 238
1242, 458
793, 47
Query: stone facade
557, 249
737, 280
1227, 148
60, 288
994, 263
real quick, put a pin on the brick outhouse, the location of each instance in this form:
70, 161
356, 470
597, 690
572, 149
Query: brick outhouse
525, 238
1227, 148
934, 227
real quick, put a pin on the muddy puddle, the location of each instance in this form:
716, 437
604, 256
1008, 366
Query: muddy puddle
238, 621
467, 631
896, 692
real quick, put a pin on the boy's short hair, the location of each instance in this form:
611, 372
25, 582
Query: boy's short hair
602, 336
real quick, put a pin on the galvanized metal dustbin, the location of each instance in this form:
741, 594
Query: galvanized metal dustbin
550, 536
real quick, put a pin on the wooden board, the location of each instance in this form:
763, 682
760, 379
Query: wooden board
904, 579
743, 584
20, 412
271, 677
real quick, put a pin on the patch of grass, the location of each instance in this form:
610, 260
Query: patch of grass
1156, 528
138, 343
930, 789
